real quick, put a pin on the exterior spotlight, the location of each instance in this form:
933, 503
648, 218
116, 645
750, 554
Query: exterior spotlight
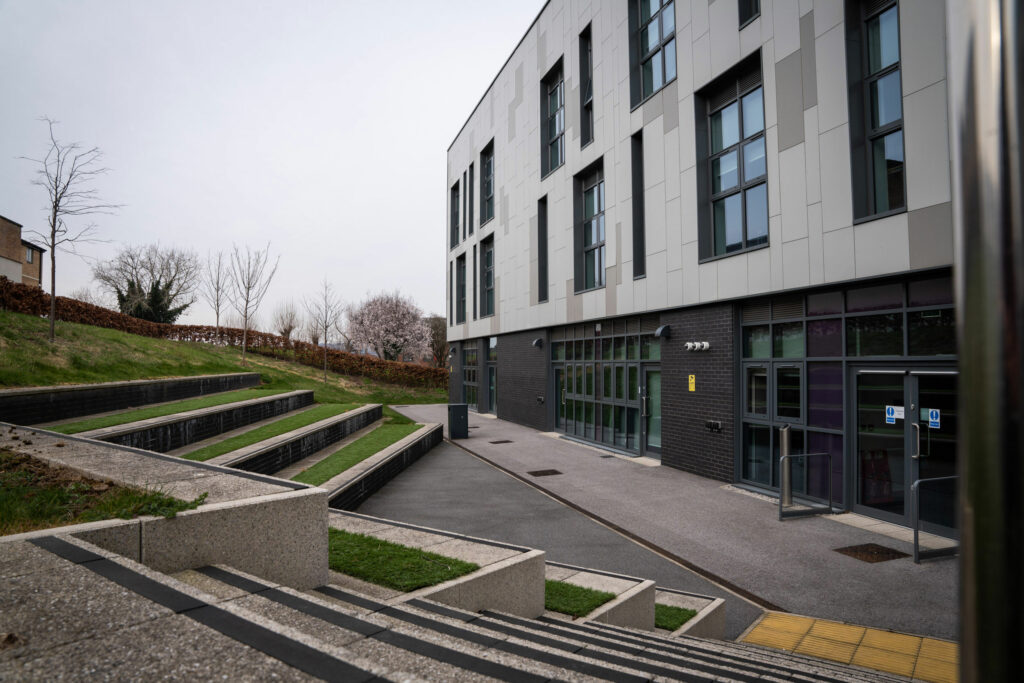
689, 346
451, 352
538, 342
704, 346
663, 332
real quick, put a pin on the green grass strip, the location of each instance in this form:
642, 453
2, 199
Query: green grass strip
389, 564
576, 601
670, 618
163, 410
276, 428
354, 453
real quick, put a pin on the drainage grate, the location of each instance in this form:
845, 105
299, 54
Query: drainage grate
543, 473
871, 552
607, 456
500, 441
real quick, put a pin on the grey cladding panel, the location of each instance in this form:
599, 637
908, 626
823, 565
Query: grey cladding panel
808, 64
789, 96
931, 236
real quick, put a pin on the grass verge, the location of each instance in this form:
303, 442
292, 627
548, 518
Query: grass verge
162, 410
576, 601
670, 617
34, 495
276, 428
391, 565
83, 353
354, 453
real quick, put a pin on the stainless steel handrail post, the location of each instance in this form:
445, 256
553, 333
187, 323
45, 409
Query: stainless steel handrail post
786, 483
915, 519
786, 473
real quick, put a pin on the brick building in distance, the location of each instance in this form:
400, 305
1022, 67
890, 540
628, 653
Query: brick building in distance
20, 260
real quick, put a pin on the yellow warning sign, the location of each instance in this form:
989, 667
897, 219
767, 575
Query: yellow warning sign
693, 382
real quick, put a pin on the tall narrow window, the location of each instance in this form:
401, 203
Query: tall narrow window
586, 88
639, 229
749, 10
469, 188
736, 181
652, 46
454, 219
553, 120
876, 108
487, 277
460, 290
474, 282
589, 237
542, 249
464, 206
451, 292
487, 183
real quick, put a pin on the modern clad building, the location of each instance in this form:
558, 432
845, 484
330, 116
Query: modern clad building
675, 227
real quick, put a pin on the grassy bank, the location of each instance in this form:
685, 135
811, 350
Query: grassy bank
577, 601
354, 453
391, 565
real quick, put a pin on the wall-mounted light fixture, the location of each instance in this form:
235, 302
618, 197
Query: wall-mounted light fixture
698, 346
663, 332
538, 342
451, 352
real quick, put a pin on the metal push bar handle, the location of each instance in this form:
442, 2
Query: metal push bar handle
915, 511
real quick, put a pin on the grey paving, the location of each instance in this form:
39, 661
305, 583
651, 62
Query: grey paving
450, 489
724, 532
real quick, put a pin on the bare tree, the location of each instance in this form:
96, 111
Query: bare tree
438, 339
286, 319
66, 173
312, 332
136, 268
92, 297
213, 285
250, 279
389, 324
324, 311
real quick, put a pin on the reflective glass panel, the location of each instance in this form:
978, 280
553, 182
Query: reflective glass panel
825, 303
756, 343
632, 348
620, 382
886, 100
728, 216
646, 8
754, 160
609, 384
650, 348
757, 454
931, 332
931, 292
887, 163
670, 60
874, 298
875, 335
725, 128
634, 384
883, 40
756, 401
753, 113
757, 215
825, 395
787, 393
724, 172
668, 19
649, 36
789, 340
825, 337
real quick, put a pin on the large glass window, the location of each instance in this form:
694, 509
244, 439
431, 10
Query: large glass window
586, 88
460, 289
487, 183
655, 45
553, 129
487, 277
470, 376
749, 10
454, 217
593, 253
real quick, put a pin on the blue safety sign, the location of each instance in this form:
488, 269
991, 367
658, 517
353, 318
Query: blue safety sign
934, 418
890, 415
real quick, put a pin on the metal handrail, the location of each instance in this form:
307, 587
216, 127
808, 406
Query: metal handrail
786, 487
915, 518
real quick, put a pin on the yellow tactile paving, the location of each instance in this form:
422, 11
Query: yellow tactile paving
935, 670
926, 659
826, 649
884, 660
942, 650
844, 633
893, 642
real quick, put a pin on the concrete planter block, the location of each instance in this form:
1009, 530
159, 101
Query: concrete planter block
632, 609
514, 586
709, 622
280, 537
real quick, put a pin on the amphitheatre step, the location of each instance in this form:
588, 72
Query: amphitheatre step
709, 622
276, 453
307, 462
37, 405
349, 489
163, 434
632, 606
510, 578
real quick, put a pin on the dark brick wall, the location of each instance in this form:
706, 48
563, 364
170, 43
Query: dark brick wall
455, 374
686, 443
35, 406
522, 377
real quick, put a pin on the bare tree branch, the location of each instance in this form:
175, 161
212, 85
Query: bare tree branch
249, 280
65, 172
286, 319
324, 311
213, 286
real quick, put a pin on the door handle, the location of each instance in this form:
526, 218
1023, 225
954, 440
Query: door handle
917, 440
643, 404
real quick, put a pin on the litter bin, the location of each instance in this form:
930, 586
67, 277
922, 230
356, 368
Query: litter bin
458, 421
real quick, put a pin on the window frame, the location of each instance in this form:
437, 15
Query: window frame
586, 87
30, 255
453, 218
488, 305
642, 57
553, 82
460, 289
755, 13
487, 184
469, 191
592, 179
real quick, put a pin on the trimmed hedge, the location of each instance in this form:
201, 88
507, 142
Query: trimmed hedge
21, 298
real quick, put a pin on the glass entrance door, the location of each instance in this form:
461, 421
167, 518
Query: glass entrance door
651, 411
906, 426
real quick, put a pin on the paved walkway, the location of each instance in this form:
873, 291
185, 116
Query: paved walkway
719, 530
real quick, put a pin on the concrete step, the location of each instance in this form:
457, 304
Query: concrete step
304, 464
275, 454
171, 432
633, 605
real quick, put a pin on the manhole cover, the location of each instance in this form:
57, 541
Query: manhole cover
543, 473
500, 441
871, 552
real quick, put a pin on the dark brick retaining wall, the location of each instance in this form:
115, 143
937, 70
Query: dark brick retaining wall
170, 435
49, 404
276, 459
686, 442
355, 493
522, 377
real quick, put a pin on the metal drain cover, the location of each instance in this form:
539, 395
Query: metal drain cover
500, 441
543, 473
871, 552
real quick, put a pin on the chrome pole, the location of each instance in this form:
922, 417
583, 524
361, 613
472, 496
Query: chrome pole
786, 476
985, 71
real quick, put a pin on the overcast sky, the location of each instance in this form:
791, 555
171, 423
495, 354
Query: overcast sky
321, 127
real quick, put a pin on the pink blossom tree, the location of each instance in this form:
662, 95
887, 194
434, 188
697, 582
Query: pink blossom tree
391, 325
